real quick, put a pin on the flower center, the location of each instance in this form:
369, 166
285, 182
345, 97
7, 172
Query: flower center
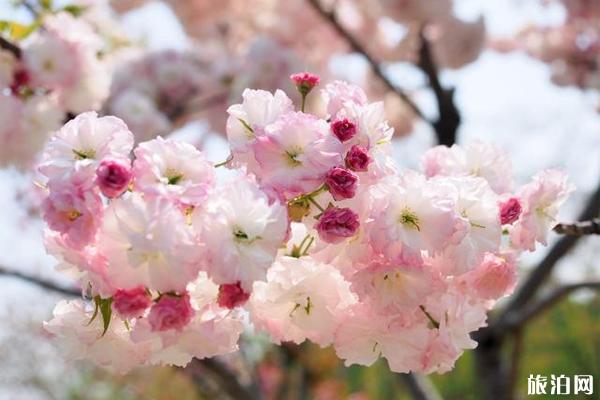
292, 157
173, 177
307, 307
73, 215
409, 218
84, 154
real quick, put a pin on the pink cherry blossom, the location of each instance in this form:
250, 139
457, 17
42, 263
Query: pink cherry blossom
172, 169
295, 153
341, 183
476, 159
339, 94
73, 211
357, 158
148, 242
131, 303
540, 200
495, 277
409, 216
85, 141
113, 177
242, 231
305, 81
510, 210
171, 312
337, 224
232, 295
247, 121
81, 339
343, 129
301, 299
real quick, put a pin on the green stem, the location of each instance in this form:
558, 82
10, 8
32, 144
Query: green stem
305, 252
303, 102
316, 204
223, 163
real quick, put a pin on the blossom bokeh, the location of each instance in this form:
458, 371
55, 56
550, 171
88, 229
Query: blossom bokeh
316, 199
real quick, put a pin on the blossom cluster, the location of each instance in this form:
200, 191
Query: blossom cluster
149, 91
56, 71
395, 30
571, 48
315, 234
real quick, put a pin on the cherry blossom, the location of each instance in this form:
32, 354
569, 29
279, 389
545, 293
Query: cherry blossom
312, 233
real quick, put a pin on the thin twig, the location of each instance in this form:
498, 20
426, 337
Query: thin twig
357, 47
73, 292
420, 387
534, 310
591, 227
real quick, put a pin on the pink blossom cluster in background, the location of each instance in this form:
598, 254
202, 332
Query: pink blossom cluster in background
394, 30
571, 49
317, 235
58, 71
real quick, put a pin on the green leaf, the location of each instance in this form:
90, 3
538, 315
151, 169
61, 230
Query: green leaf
16, 30
96, 308
74, 10
106, 312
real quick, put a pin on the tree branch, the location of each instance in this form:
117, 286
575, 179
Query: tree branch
516, 319
539, 275
225, 378
357, 47
420, 387
11, 47
591, 227
44, 284
448, 115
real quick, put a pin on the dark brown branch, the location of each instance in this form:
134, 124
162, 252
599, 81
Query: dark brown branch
449, 117
539, 275
419, 387
591, 227
357, 47
225, 378
515, 361
518, 319
11, 47
72, 292
490, 367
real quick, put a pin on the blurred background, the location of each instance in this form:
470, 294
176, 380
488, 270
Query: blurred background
523, 74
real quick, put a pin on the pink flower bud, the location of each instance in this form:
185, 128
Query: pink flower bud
336, 224
343, 129
358, 159
113, 177
131, 303
171, 312
510, 210
495, 277
305, 81
232, 295
341, 183
21, 78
